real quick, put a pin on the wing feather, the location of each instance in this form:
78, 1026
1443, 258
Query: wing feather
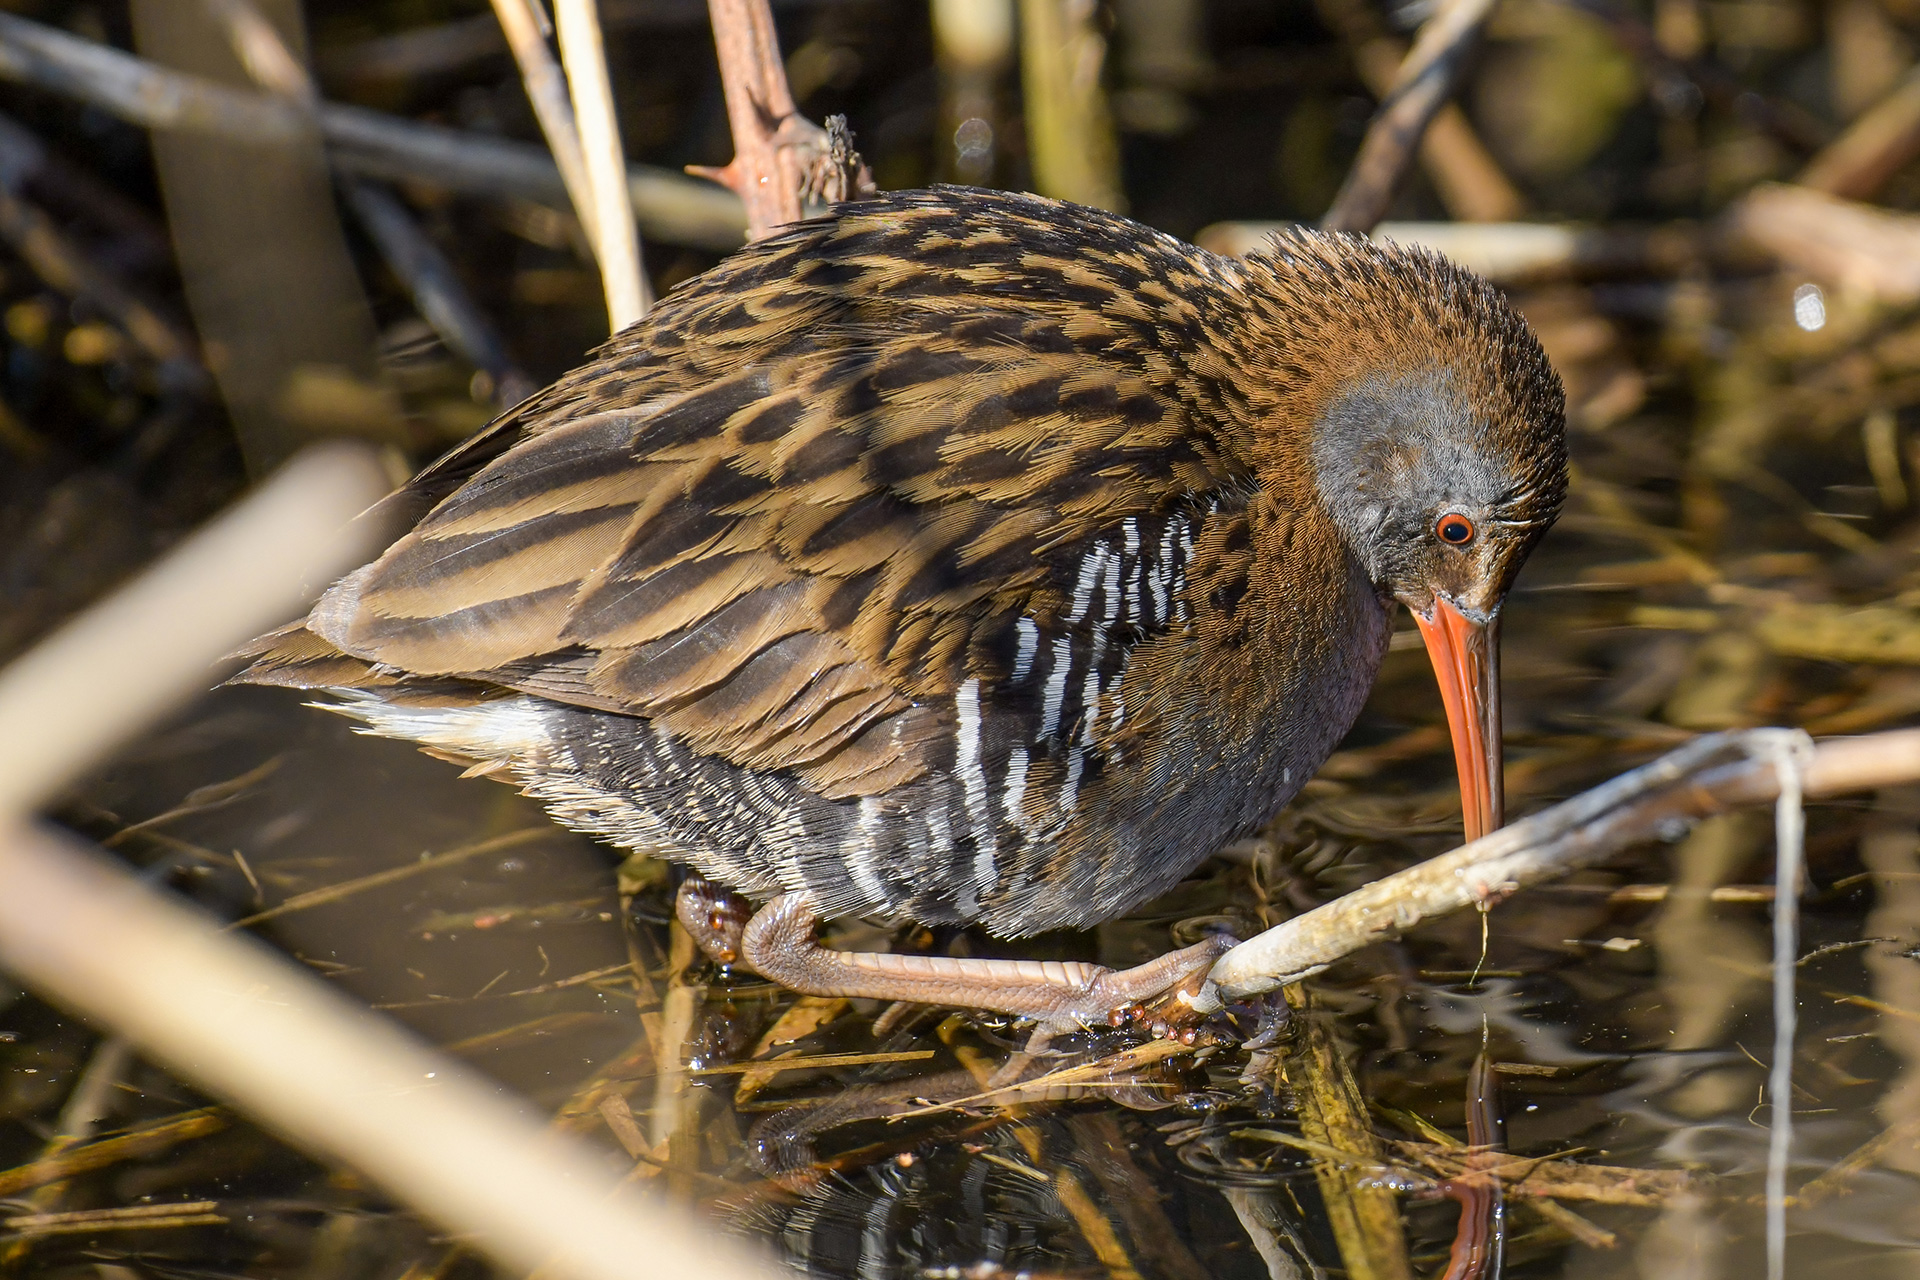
793, 512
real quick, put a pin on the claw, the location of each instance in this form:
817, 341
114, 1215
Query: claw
1174, 1013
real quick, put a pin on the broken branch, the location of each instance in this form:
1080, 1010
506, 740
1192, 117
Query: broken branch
1709, 775
1427, 79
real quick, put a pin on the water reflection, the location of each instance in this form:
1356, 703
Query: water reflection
1620, 1030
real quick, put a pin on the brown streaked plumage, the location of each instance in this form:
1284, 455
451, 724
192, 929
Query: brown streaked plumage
964, 557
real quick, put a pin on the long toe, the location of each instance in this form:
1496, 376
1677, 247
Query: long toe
1159, 995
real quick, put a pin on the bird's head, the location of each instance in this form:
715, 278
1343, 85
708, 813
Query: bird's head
1442, 497
1436, 444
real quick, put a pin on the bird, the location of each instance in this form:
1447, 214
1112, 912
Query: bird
964, 557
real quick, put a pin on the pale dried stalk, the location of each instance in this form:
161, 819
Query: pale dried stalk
1791, 752
227, 1013
1697, 780
247, 1025
616, 242
111, 671
524, 26
1427, 79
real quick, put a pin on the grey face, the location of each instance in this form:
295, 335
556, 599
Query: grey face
1401, 462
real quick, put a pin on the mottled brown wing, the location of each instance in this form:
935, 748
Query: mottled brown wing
790, 516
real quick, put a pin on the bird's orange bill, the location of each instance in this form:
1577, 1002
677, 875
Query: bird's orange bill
1466, 658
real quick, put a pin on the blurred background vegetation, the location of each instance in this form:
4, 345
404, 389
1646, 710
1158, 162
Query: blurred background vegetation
1706, 208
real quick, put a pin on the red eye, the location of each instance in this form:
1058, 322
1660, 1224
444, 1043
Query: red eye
1454, 529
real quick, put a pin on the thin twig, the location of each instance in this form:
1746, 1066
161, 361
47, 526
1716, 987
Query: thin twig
671, 207
780, 158
138, 1217
616, 243
1427, 79
1835, 1178
144, 1140
392, 875
804, 1016
214, 795
525, 25
89, 1103
1688, 784
817, 1062
1791, 753
438, 293
1111, 1070
759, 106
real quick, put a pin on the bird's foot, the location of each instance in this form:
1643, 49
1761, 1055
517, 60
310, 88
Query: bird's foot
714, 917
1059, 995
1172, 985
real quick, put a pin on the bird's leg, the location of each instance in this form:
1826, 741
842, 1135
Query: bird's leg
713, 917
779, 944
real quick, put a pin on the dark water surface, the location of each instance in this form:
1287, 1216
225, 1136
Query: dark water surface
1624, 1034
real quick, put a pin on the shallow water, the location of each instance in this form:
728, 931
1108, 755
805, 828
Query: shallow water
1624, 1034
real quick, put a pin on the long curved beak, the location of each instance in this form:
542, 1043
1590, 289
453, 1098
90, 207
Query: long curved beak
1466, 658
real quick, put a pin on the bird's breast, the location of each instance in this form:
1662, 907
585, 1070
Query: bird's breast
1204, 666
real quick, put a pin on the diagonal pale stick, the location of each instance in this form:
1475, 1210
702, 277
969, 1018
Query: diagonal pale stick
246, 1024
1709, 775
617, 242
227, 1013
1427, 79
